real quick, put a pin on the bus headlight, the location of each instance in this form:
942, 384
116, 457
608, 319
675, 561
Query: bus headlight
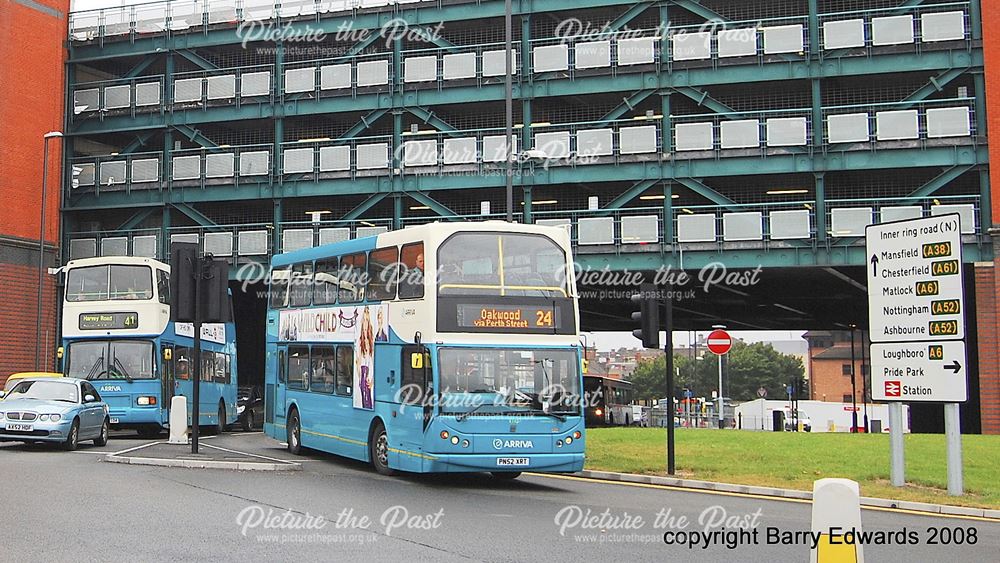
569, 440
559, 443
465, 443
599, 412
454, 440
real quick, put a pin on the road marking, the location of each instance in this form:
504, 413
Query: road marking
761, 497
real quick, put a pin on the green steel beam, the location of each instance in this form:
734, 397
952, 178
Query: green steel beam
435, 205
195, 136
135, 219
358, 47
364, 206
702, 98
195, 215
143, 65
819, 186
139, 141
629, 15
706, 192
628, 104
936, 84
668, 214
885, 160
197, 59
680, 78
278, 218
428, 117
628, 195
976, 20
941, 180
366, 122
695, 7
431, 36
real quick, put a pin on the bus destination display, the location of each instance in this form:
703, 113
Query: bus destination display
108, 321
512, 317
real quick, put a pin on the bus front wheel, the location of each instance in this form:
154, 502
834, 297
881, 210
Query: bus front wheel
379, 446
221, 427
294, 434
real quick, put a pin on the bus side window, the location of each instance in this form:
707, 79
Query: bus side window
416, 366
163, 286
411, 275
298, 367
281, 366
182, 359
352, 277
383, 271
345, 370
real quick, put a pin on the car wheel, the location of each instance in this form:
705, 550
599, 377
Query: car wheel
102, 440
379, 446
73, 438
247, 421
294, 434
505, 476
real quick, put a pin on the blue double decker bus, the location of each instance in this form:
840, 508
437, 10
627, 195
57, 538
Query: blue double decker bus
438, 348
117, 333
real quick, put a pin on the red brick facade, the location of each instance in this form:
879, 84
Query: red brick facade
987, 303
32, 36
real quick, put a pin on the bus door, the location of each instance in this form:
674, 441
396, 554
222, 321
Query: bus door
416, 387
166, 377
277, 406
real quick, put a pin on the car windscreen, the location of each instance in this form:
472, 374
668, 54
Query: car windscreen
45, 391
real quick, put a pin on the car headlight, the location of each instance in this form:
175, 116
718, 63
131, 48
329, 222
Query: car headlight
1, 416
55, 417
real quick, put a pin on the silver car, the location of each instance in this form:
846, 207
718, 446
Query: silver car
65, 411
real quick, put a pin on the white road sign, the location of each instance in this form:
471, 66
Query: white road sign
919, 372
915, 286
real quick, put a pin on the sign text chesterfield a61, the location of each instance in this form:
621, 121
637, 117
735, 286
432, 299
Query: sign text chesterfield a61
916, 310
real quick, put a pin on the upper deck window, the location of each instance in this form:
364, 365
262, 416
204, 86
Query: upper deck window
109, 282
502, 264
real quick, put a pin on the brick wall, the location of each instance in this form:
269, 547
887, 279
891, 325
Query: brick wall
18, 310
828, 383
987, 303
32, 34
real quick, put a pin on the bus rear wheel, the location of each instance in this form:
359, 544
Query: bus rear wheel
294, 438
221, 426
379, 450
505, 476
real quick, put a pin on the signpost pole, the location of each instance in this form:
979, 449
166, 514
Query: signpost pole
897, 462
721, 423
953, 437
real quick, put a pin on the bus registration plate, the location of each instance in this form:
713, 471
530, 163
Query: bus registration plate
512, 461
19, 427
113, 421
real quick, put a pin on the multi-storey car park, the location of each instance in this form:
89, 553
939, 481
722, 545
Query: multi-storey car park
661, 133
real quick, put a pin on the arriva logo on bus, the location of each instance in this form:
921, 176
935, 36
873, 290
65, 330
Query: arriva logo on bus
111, 389
499, 444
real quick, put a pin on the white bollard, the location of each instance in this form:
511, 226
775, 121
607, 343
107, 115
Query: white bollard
836, 517
178, 420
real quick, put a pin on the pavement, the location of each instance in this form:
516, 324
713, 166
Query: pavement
70, 504
164, 454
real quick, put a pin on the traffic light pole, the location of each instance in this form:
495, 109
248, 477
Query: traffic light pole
668, 349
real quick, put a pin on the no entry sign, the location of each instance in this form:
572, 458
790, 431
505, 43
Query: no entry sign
719, 342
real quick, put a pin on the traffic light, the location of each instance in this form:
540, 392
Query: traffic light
648, 316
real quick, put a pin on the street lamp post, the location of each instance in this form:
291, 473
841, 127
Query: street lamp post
41, 244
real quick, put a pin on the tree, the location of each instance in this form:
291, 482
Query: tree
750, 367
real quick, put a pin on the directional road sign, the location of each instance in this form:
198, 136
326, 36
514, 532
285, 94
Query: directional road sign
919, 371
915, 280
916, 309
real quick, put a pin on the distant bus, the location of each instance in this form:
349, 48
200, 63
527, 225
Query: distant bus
608, 401
117, 333
439, 348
